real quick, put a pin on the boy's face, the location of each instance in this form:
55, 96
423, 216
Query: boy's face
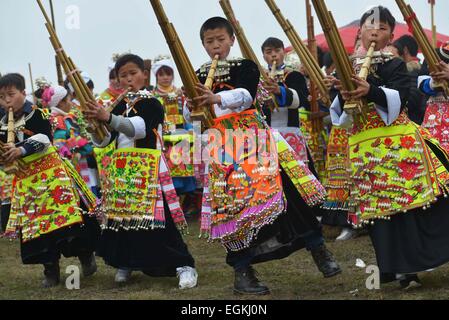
130, 75
381, 34
164, 79
11, 97
271, 54
218, 41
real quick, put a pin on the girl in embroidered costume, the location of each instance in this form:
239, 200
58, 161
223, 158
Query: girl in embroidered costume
140, 205
177, 137
436, 118
244, 205
49, 198
70, 135
398, 170
114, 90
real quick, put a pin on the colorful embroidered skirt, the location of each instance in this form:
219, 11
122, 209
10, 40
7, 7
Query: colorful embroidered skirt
244, 188
338, 172
436, 120
45, 197
5, 187
179, 155
393, 169
308, 186
296, 140
316, 142
132, 194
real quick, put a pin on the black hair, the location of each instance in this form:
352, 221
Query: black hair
399, 46
327, 60
129, 58
216, 23
384, 16
15, 80
407, 41
66, 85
273, 43
112, 74
39, 92
90, 84
166, 70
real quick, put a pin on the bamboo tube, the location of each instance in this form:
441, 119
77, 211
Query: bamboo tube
273, 70
211, 76
426, 47
32, 83
307, 59
317, 124
82, 92
183, 64
247, 50
364, 71
339, 55
11, 168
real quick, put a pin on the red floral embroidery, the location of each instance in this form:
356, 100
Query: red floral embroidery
44, 225
408, 142
106, 161
120, 163
59, 173
59, 197
71, 210
388, 142
60, 221
408, 170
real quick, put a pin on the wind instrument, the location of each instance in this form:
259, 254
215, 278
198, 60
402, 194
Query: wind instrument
317, 144
32, 84
83, 93
58, 64
273, 70
187, 73
10, 168
317, 124
310, 63
342, 63
211, 75
245, 47
118, 100
424, 43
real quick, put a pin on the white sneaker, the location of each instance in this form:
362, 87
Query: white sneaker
188, 277
122, 275
346, 234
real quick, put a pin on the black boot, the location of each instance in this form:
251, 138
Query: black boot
52, 275
247, 283
410, 281
325, 261
88, 264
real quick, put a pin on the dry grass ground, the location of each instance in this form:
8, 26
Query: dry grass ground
293, 278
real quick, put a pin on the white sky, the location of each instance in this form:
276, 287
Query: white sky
116, 26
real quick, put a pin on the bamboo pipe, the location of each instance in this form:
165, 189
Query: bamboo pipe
309, 62
247, 50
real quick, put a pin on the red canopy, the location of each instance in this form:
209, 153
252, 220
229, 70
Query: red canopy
349, 33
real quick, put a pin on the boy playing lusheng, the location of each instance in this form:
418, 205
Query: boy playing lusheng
255, 224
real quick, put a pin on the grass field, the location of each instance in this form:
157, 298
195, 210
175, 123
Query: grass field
293, 278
